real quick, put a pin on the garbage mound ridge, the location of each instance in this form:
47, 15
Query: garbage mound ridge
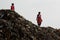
15, 27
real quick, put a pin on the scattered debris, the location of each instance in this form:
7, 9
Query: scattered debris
15, 27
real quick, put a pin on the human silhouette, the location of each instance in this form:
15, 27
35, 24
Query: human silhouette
12, 7
39, 19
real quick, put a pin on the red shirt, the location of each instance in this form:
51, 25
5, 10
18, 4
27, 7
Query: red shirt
12, 8
39, 20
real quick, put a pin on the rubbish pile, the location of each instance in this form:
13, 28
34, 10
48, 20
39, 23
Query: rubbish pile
15, 27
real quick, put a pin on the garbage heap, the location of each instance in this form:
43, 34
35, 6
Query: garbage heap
15, 27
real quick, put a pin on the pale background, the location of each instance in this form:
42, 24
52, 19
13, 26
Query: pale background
50, 10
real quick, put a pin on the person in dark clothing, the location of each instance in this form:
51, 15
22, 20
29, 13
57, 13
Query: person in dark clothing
12, 7
39, 19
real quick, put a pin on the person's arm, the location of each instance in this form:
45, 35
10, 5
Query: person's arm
14, 7
41, 18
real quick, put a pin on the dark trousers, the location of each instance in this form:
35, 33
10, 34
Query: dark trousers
39, 24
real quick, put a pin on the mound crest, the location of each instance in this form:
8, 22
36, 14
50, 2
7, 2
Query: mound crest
15, 27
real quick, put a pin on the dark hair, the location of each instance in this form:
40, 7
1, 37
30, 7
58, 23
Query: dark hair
39, 12
12, 3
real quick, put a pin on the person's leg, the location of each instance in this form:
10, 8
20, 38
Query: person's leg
39, 24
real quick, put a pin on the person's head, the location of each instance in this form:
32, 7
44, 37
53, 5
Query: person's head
39, 12
12, 3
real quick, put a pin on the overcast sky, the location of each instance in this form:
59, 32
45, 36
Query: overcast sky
50, 10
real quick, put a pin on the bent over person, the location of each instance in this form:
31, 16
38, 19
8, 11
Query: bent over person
39, 19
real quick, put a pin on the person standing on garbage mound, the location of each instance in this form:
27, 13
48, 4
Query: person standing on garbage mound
12, 7
39, 19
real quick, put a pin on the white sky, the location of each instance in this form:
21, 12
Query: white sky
50, 10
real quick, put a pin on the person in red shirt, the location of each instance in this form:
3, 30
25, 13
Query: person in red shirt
12, 7
39, 19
